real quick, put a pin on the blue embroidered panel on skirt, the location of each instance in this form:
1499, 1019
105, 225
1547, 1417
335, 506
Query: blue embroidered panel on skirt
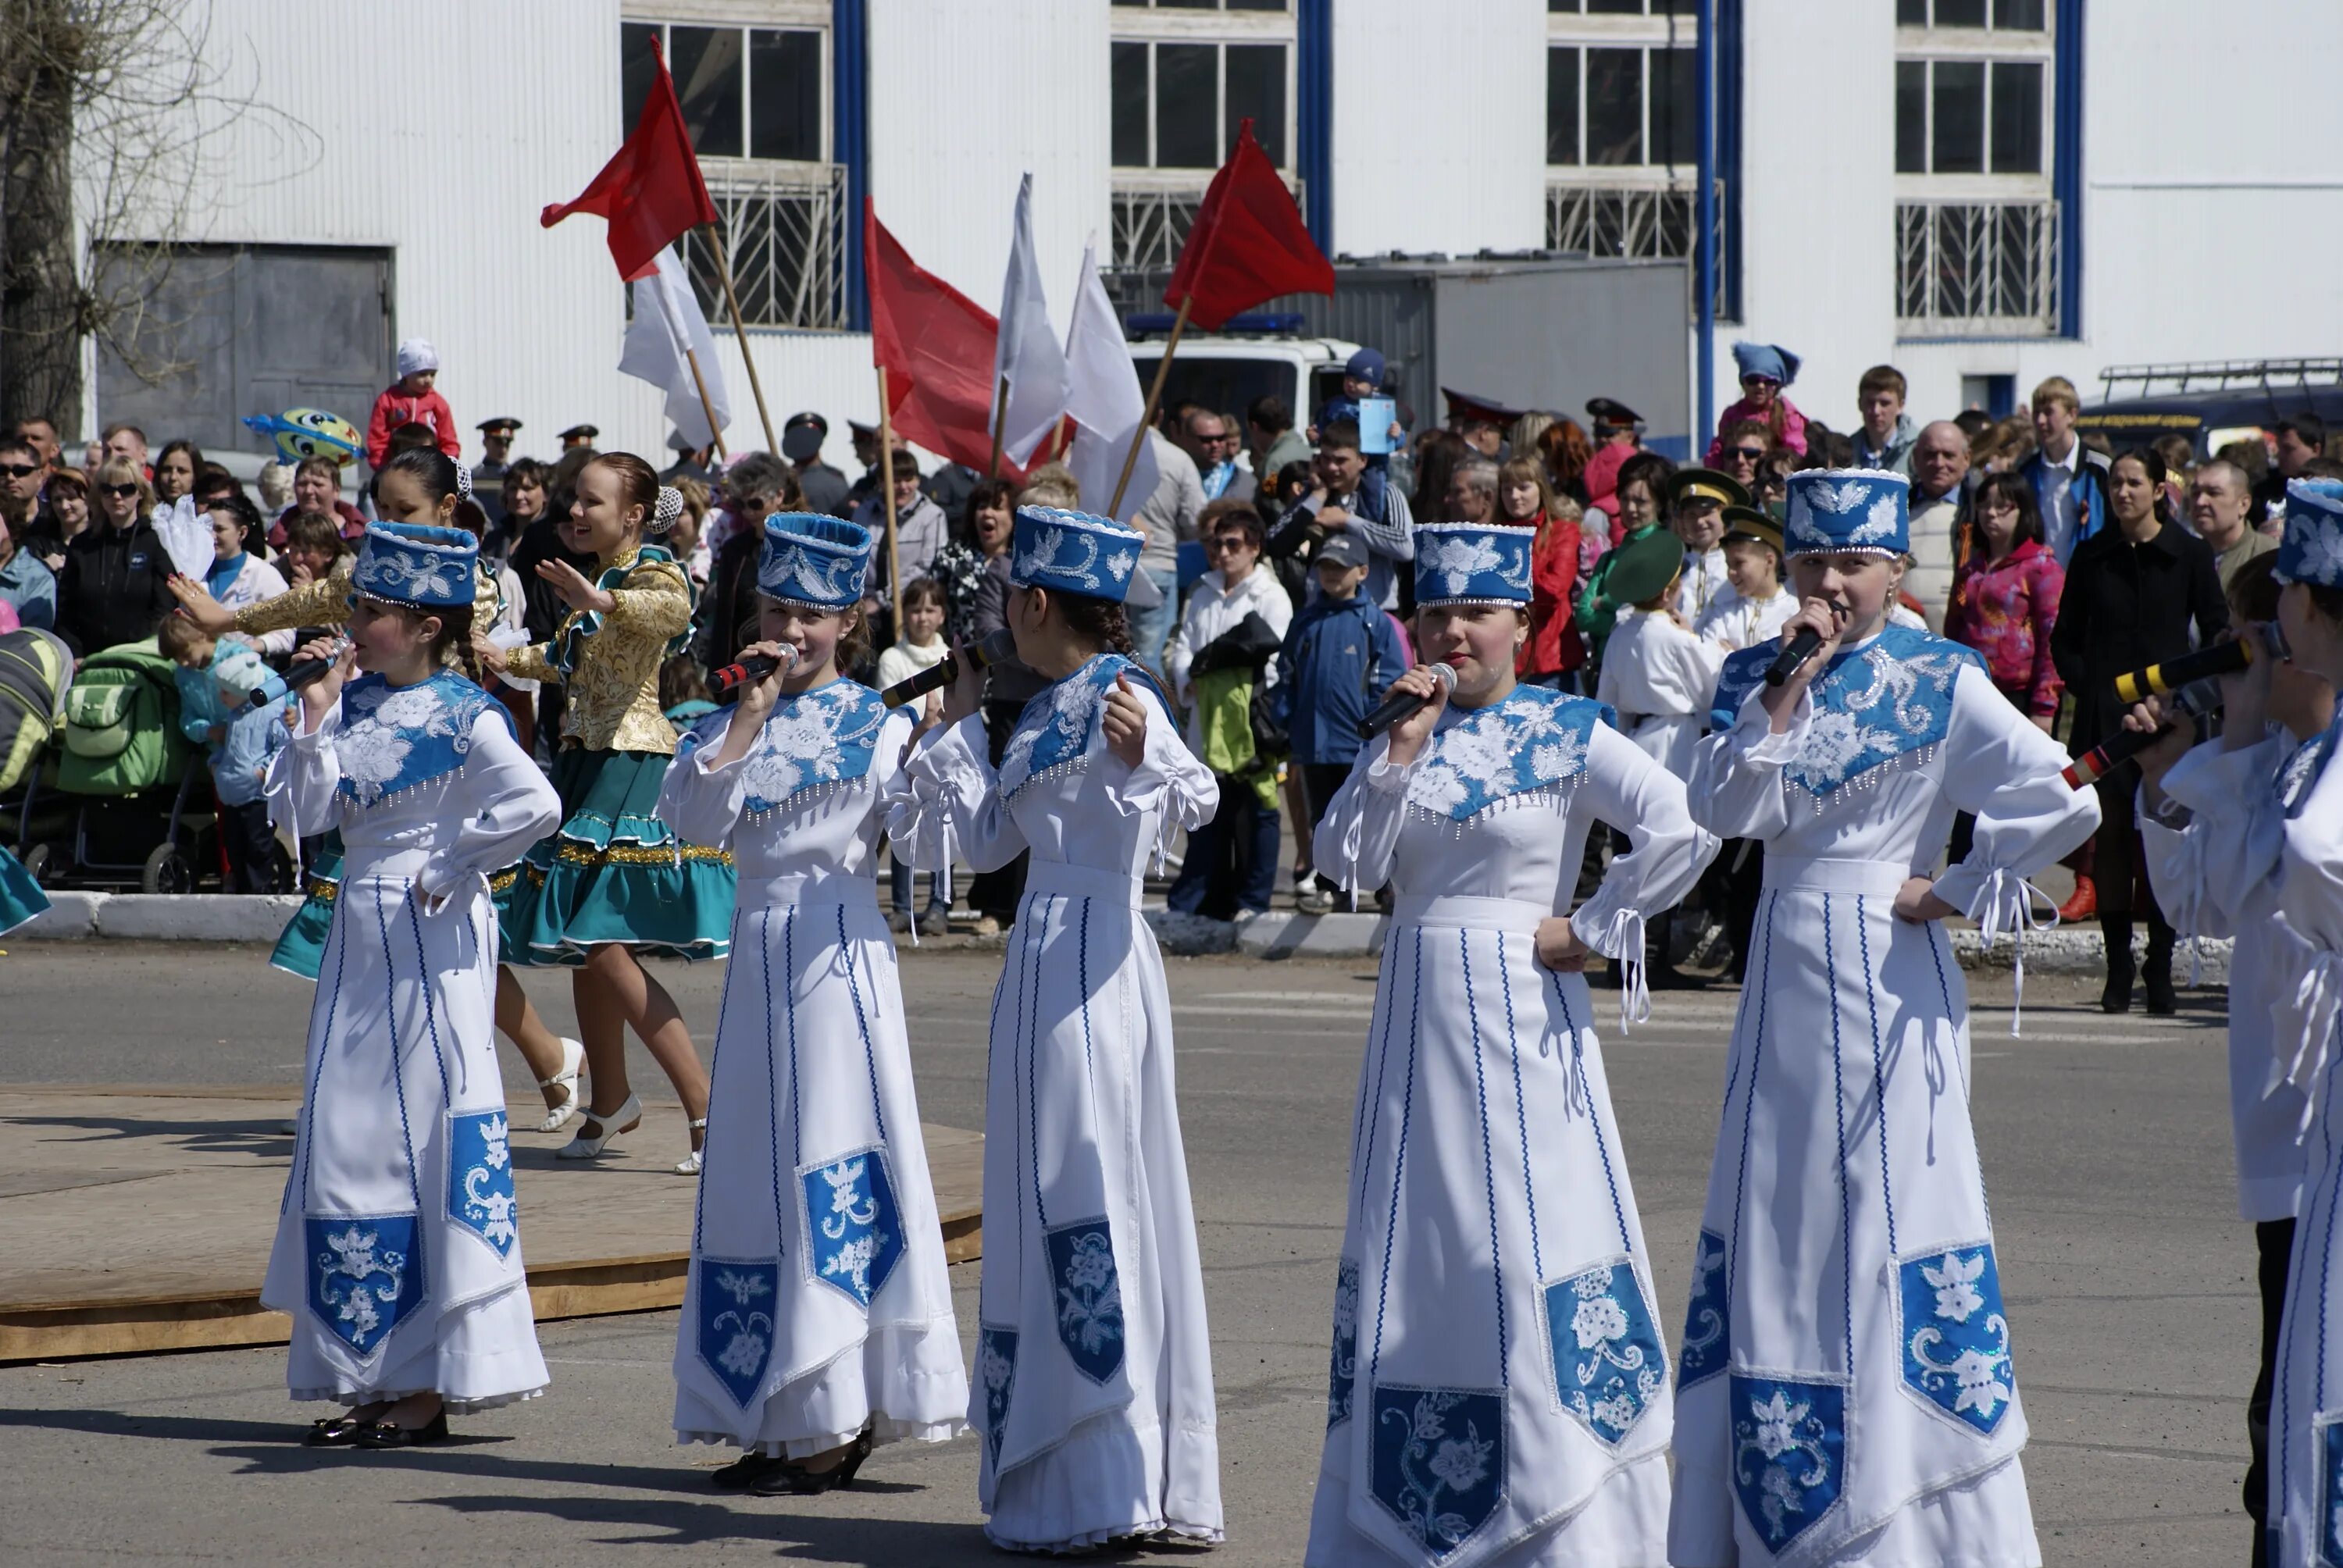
735, 1330
1955, 1340
856, 1230
1789, 1454
1342, 1363
996, 1373
1608, 1362
1439, 1460
480, 1177
1708, 1316
1089, 1296
364, 1275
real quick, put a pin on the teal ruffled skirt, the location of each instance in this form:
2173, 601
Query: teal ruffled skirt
616, 873
20, 897
301, 947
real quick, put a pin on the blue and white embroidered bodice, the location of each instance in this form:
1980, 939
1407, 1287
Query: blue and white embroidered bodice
2302, 769
394, 737
814, 740
1886, 701
1532, 742
1059, 732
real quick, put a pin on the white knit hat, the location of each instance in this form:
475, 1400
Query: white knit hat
416, 355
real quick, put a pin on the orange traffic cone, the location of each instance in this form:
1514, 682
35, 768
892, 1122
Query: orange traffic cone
2083, 903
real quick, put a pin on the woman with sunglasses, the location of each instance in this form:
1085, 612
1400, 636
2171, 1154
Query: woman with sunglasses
114, 584
1765, 370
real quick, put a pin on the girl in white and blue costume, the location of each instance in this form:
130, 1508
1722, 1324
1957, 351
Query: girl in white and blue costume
2306, 1430
397, 1251
1093, 1386
1497, 1389
817, 1312
1846, 1392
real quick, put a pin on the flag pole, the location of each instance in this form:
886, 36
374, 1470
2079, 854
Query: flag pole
887, 484
692, 359
732, 303
1000, 412
1154, 397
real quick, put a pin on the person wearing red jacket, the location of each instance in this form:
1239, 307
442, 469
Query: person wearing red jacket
412, 399
1526, 499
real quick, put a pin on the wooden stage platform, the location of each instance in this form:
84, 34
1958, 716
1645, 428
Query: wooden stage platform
138, 1218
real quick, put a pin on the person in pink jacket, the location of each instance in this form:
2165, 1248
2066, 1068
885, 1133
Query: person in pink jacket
412, 399
1766, 371
2005, 598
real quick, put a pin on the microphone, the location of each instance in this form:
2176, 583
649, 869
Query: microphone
2219, 659
277, 688
1801, 648
1401, 705
996, 646
725, 684
2191, 702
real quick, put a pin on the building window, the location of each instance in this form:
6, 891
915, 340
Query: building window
755, 101
1977, 229
1622, 126
1185, 74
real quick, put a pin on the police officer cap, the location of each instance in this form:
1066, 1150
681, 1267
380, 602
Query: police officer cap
1611, 411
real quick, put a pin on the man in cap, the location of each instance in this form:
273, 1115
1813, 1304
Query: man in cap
578, 436
489, 474
1480, 421
1753, 605
1618, 432
823, 486
1696, 501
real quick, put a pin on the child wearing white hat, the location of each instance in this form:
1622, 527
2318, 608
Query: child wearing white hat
413, 399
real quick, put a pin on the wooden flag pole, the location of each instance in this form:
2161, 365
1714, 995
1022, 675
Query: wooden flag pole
700, 381
1154, 397
887, 485
1000, 412
740, 330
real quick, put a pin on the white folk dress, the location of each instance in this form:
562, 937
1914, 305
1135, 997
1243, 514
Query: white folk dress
398, 1249
818, 1300
1844, 1393
2305, 1502
1094, 1387
1660, 678
2215, 867
1497, 1388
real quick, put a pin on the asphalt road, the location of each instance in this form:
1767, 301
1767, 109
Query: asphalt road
2129, 1279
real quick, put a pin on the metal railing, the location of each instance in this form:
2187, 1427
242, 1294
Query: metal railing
2221, 375
1976, 269
785, 234
1633, 223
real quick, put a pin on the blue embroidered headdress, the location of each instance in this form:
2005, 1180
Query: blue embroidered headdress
1468, 563
1073, 552
2312, 551
1836, 509
416, 564
813, 560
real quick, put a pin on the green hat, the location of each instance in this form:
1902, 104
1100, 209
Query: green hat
1643, 565
1749, 523
1706, 485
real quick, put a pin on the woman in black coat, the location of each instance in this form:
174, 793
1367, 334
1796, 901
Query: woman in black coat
2135, 591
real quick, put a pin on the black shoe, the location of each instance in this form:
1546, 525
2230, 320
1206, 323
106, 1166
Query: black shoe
789, 1479
2115, 931
389, 1434
334, 1430
744, 1473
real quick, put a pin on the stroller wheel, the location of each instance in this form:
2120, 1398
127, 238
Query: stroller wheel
166, 871
38, 859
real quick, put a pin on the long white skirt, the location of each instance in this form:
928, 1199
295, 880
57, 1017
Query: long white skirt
1846, 1392
818, 1301
2306, 1483
1497, 1389
398, 1249
1093, 1392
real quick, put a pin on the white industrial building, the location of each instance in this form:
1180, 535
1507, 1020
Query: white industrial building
1981, 192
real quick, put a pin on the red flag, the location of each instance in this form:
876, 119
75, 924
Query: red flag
650, 190
1247, 245
937, 346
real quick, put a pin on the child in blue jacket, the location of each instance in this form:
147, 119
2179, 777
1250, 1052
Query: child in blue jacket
216, 679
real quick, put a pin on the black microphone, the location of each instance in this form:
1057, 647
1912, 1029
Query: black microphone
1801, 648
725, 684
277, 688
996, 646
2219, 659
1399, 705
2190, 703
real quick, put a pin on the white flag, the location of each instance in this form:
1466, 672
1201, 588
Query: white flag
666, 322
1103, 395
1027, 356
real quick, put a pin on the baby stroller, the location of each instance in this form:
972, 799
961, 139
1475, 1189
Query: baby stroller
129, 773
36, 667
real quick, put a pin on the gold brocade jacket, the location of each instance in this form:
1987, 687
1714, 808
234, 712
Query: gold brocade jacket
328, 603
613, 694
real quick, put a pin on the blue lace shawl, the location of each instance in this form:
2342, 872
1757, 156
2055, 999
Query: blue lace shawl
394, 737
1056, 732
1531, 745
817, 740
1888, 700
